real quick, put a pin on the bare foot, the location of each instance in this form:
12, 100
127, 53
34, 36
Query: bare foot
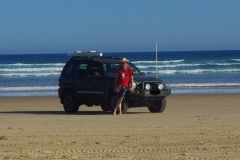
120, 113
114, 113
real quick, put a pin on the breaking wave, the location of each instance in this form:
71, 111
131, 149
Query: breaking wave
196, 71
29, 88
236, 60
170, 61
23, 70
204, 85
188, 65
34, 64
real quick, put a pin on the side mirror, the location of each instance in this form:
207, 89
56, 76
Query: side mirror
143, 73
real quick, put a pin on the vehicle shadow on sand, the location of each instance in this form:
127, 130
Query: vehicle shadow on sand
64, 113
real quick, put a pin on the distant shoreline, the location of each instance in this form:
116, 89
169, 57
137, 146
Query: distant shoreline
175, 91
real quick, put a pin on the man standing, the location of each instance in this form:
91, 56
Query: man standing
123, 82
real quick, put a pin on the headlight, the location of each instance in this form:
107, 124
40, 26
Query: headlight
160, 86
134, 85
147, 87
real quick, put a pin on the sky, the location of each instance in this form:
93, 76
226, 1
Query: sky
64, 26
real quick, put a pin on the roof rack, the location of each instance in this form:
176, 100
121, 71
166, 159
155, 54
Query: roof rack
89, 54
106, 58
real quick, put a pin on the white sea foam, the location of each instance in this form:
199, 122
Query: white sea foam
30, 71
23, 70
34, 64
29, 88
39, 74
185, 65
204, 85
195, 71
236, 60
170, 61
223, 64
48, 69
169, 66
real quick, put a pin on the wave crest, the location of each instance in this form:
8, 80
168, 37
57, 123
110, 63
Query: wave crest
170, 61
29, 88
196, 71
204, 85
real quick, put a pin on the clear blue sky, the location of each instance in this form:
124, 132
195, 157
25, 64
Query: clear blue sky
60, 26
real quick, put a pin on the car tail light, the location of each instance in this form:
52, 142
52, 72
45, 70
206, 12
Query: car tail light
59, 82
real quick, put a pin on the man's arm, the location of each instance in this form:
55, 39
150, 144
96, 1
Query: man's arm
131, 84
115, 84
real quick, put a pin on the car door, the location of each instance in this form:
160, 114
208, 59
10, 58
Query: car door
95, 81
80, 80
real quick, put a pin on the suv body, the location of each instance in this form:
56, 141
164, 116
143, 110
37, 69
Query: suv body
88, 78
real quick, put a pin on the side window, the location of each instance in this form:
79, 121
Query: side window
95, 71
105, 68
134, 68
68, 70
110, 68
81, 70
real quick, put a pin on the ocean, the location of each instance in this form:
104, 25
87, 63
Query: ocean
185, 72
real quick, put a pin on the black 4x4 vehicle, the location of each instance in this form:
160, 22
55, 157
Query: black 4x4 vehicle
88, 78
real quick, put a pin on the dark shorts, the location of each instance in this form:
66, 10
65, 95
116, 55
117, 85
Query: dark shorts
121, 91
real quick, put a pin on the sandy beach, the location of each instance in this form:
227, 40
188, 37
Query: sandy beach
191, 127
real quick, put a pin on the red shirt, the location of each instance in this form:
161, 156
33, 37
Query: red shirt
124, 76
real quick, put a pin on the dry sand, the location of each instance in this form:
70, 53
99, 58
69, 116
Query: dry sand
191, 127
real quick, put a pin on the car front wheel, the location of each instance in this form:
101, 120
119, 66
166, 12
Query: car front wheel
158, 106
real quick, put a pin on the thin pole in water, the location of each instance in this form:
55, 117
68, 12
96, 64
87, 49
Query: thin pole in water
156, 64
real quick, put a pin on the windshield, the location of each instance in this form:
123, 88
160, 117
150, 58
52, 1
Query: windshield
111, 68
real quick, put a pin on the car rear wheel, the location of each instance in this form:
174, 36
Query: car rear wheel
113, 102
70, 104
105, 107
158, 106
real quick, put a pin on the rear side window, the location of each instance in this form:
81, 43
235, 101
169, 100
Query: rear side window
67, 70
81, 70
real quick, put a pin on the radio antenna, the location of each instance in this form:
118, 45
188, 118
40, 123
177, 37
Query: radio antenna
156, 63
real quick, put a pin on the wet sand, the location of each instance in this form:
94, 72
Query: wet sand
191, 127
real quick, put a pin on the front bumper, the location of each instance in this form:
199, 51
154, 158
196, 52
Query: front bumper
141, 94
142, 98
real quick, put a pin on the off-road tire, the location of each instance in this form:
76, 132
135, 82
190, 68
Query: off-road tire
106, 107
125, 106
70, 104
158, 106
113, 101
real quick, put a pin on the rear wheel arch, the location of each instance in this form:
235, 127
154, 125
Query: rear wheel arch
106, 106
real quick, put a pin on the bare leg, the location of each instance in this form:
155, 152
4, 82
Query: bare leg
118, 105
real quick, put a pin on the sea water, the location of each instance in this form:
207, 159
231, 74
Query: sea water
185, 72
